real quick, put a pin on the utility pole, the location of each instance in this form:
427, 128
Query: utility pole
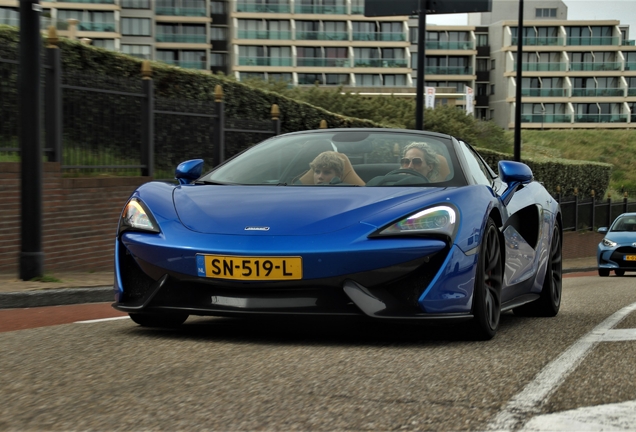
517, 143
421, 54
29, 90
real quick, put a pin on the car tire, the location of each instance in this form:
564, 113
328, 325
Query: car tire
619, 272
549, 302
171, 320
603, 272
488, 283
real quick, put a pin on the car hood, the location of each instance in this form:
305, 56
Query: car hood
283, 210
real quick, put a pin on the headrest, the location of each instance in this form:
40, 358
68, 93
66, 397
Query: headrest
349, 175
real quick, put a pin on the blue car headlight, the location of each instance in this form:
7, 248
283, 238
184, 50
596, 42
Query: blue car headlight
137, 217
608, 243
439, 220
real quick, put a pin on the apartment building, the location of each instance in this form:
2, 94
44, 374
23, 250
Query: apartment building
576, 74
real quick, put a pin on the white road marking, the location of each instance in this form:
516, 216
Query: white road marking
610, 417
101, 320
538, 391
618, 335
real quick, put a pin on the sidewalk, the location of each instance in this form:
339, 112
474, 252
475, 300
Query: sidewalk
76, 287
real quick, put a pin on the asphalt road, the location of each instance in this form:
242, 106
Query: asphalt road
228, 374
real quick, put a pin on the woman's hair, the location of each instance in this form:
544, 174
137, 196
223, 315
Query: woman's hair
430, 157
328, 160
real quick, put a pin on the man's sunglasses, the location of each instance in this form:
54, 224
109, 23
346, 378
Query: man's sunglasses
415, 161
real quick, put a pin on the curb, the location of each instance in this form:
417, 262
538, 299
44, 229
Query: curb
56, 297
580, 270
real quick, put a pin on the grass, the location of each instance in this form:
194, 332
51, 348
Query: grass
45, 278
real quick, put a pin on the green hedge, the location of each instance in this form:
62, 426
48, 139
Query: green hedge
560, 173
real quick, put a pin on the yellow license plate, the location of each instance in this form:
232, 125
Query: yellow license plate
253, 268
630, 257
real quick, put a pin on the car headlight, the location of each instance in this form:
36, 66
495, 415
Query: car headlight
438, 220
137, 217
608, 243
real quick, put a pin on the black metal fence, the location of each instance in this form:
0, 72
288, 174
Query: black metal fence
589, 213
99, 124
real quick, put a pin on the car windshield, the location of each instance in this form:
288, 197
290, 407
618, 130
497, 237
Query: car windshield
624, 223
345, 158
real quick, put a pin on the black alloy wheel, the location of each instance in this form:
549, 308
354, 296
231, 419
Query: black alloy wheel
166, 320
488, 283
549, 303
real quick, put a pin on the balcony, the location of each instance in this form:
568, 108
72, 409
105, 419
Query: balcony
96, 26
546, 118
265, 61
448, 70
582, 92
542, 67
186, 64
375, 62
630, 65
181, 38
322, 62
265, 34
321, 9
629, 42
266, 8
181, 11
383, 37
438, 45
601, 118
631, 92
540, 92
91, 1
540, 41
322, 35
596, 66
357, 10
586, 41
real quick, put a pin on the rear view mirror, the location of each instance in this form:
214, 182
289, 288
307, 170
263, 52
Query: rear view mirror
189, 171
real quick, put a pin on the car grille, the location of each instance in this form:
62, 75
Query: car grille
619, 254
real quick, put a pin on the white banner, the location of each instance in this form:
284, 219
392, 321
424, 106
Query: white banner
429, 102
469, 101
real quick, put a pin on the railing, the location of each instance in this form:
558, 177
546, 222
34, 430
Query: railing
91, 1
546, 118
374, 62
600, 40
322, 35
97, 26
539, 41
600, 118
448, 45
539, 92
630, 65
542, 67
589, 213
596, 66
629, 42
186, 64
321, 9
323, 62
265, 34
266, 8
181, 11
379, 36
357, 10
449, 70
631, 92
579, 92
265, 61
181, 38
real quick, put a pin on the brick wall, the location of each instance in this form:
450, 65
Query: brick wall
81, 214
79, 222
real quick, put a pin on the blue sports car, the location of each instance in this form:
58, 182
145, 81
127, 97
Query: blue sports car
384, 223
617, 251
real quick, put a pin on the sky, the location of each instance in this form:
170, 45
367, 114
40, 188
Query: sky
623, 10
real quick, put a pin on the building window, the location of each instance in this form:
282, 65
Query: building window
482, 40
135, 4
546, 13
218, 33
310, 78
139, 51
492, 64
135, 26
108, 44
492, 89
218, 7
482, 65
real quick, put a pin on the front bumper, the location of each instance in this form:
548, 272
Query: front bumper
614, 258
434, 287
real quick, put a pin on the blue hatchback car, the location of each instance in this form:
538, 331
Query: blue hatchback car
379, 223
617, 250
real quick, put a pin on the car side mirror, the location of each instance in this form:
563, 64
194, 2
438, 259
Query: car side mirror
514, 174
602, 230
189, 171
